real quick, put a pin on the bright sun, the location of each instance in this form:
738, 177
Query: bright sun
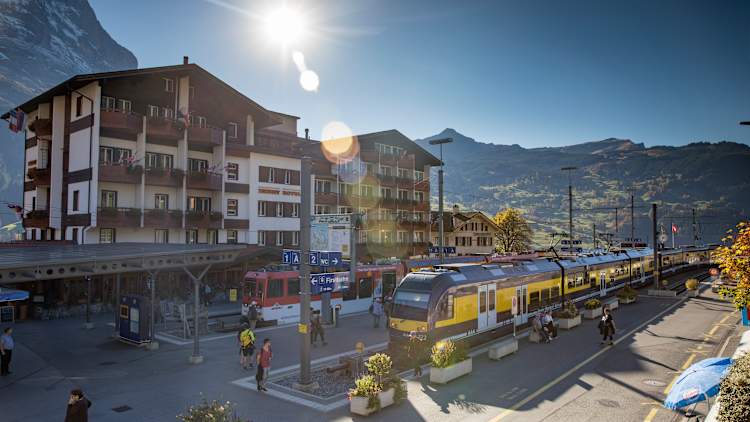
285, 26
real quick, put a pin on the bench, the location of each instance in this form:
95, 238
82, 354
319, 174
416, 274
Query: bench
503, 348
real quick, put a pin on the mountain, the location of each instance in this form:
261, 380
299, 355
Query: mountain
713, 178
42, 43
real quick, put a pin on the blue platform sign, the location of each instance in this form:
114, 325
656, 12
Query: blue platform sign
325, 259
314, 258
290, 256
336, 258
446, 249
317, 258
321, 283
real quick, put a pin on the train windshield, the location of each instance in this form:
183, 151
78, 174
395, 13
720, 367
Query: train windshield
411, 305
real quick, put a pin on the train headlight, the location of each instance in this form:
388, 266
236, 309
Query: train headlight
422, 328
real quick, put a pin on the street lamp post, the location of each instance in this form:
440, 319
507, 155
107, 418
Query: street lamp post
570, 169
441, 238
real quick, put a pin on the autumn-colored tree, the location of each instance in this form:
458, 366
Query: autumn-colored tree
734, 261
514, 233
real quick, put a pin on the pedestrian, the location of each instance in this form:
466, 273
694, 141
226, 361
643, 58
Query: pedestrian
245, 312
246, 339
253, 314
387, 309
317, 329
78, 407
414, 351
377, 312
536, 325
607, 327
6, 350
549, 324
264, 364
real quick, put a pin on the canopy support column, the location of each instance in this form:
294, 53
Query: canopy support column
196, 356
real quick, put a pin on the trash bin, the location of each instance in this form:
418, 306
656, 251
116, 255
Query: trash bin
336, 311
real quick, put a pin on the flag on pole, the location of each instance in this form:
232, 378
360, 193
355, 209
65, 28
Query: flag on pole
675, 229
16, 121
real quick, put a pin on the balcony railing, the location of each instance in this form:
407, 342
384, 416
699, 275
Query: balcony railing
207, 136
40, 176
162, 219
203, 219
36, 218
204, 180
119, 173
41, 127
118, 217
386, 180
121, 122
164, 176
163, 128
327, 198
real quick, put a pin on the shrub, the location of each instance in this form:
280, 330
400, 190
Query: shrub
627, 292
592, 304
380, 366
213, 411
734, 401
691, 284
446, 353
367, 386
569, 311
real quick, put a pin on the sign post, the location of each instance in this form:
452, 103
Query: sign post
304, 272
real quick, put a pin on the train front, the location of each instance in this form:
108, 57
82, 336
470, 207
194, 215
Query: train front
410, 312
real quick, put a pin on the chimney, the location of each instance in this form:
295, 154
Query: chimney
307, 134
456, 210
184, 59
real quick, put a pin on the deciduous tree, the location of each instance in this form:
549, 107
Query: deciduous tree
514, 234
734, 260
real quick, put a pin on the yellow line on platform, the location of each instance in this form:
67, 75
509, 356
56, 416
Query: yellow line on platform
713, 330
689, 361
651, 415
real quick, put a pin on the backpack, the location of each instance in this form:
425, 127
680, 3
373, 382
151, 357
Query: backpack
247, 338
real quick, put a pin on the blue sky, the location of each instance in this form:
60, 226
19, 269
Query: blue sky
535, 73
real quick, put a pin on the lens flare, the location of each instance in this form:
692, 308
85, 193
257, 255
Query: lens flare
309, 81
299, 60
285, 26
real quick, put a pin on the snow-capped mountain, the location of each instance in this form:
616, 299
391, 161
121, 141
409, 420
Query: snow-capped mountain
42, 43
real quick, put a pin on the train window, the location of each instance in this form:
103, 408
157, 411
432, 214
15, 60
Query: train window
571, 281
544, 296
365, 287
533, 300
445, 308
252, 286
491, 304
554, 293
292, 287
351, 292
275, 288
482, 301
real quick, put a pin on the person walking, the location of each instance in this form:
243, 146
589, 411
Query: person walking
317, 329
6, 350
264, 364
253, 314
246, 339
377, 312
607, 327
245, 312
78, 407
414, 351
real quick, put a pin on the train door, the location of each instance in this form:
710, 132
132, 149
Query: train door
522, 293
603, 283
482, 297
389, 284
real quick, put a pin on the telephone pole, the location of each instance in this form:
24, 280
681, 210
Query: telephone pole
656, 246
441, 238
304, 272
632, 216
593, 225
570, 169
694, 237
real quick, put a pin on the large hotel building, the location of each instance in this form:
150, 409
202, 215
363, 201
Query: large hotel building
175, 155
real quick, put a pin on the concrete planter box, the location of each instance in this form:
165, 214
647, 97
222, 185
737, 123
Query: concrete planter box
504, 348
444, 375
612, 304
626, 300
569, 323
592, 313
358, 405
693, 293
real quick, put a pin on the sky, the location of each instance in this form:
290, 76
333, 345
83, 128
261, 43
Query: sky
533, 73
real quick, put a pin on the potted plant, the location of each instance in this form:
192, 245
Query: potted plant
592, 309
379, 388
627, 295
691, 284
449, 361
568, 316
363, 398
211, 411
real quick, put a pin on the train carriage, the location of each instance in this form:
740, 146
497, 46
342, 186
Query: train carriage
641, 265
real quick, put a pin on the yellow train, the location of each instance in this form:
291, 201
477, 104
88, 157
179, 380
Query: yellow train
473, 302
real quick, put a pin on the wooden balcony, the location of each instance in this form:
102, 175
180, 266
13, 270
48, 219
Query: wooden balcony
164, 177
407, 161
236, 224
118, 217
204, 136
422, 186
41, 127
161, 129
386, 180
326, 198
76, 219
422, 205
120, 123
36, 219
162, 219
205, 180
120, 173
203, 220
40, 176
405, 183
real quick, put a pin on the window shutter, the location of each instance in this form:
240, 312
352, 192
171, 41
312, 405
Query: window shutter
263, 174
295, 177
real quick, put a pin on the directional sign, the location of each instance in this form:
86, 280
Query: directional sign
446, 249
314, 258
335, 219
325, 259
514, 305
286, 256
335, 258
321, 283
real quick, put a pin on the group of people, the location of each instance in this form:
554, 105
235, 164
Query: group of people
544, 325
246, 339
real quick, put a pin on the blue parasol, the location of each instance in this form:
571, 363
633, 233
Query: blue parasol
699, 382
9, 295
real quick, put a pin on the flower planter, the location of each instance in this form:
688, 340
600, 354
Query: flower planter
612, 304
358, 405
444, 375
592, 313
569, 323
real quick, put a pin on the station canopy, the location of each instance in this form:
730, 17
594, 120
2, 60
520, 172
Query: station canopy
56, 261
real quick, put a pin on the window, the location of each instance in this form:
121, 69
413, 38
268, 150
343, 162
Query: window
109, 199
112, 155
79, 106
195, 164
108, 103
168, 84
322, 209
261, 238
364, 289
295, 238
365, 190
322, 186
191, 237
403, 195
232, 207
275, 288
287, 177
419, 217
232, 236
385, 170
346, 189
533, 300
200, 121
292, 287
161, 201
168, 113
295, 210
404, 174
76, 194
262, 208
445, 308
279, 209
419, 237
403, 236
156, 160
233, 171
106, 235
271, 174
212, 237
161, 236
199, 203
386, 193
33, 203
418, 175
153, 111
232, 130
345, 210
279, 238
124, 105
419, 196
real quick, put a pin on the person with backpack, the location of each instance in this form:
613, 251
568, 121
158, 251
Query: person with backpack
607, 327
253, 314
78, 407
246, 339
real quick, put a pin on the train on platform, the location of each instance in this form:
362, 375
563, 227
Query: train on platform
472, 302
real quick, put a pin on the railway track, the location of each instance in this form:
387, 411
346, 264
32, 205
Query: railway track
679, 285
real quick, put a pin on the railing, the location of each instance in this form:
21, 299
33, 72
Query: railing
204, 180
205, 135
164, 176
117, 172
161, 218
165, 128
203, 219
121, 121
40, 176
118, 217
